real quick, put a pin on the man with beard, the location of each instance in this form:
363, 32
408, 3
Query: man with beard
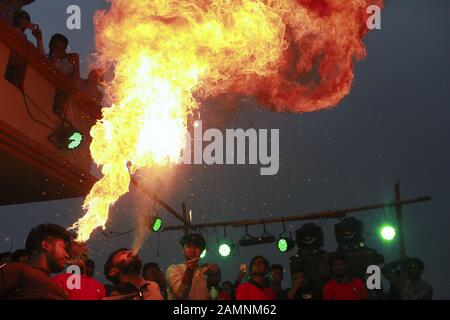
123, 269
254, 289
187, 281
343, 286
47, 245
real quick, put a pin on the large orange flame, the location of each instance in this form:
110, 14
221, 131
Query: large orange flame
293, 55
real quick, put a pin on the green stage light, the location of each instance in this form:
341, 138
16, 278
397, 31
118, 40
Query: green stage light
203, 255
224, 250
387, 233
282, 245
66, 136
75, 140
157, 224
285, 244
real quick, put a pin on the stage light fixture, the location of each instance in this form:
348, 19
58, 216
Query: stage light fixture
157, 224
284, 243
249, 240
387, 232
225, 246
224, 250
348, 233
66, 136
309, 237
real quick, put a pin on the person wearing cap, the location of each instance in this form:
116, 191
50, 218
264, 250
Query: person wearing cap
48, 246
187, 281
407, 281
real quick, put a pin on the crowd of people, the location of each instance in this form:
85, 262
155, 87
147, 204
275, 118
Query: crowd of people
67, 63
50, 249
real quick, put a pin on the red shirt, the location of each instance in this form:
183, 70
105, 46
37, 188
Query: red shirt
224, 295
90, 288
252, 291
354, 290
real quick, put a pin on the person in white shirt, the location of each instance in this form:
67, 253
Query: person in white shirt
66, 63
123, 269
187, 281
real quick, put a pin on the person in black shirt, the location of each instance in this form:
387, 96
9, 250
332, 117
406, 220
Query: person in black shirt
276, 274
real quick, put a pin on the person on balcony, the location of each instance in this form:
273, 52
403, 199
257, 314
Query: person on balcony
91, 86
22, 21
67, 63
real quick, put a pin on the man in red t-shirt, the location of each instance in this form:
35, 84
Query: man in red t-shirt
79, 287
343, 287
254, 289
89, 289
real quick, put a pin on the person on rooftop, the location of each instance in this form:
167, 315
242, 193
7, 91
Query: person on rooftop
67, 63
22, 21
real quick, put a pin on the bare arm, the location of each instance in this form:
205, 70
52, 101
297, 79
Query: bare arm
37, 33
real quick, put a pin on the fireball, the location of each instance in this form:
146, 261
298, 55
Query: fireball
293, 55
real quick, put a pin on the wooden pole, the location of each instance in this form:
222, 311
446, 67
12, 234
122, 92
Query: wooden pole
398, 208
159, 201
186, 223
310, 216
